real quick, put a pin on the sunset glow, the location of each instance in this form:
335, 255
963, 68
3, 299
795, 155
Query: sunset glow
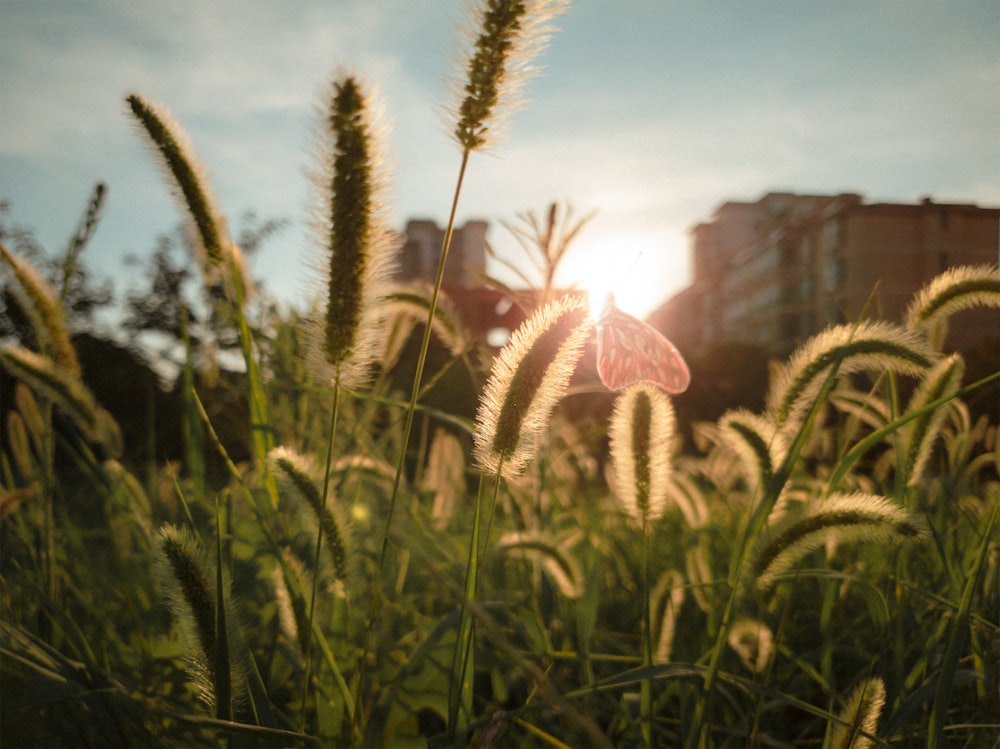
642, 271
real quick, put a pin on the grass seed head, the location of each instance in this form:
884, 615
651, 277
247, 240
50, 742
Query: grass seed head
529, 376
497, 63
761, 447
295, 473
844, 517
67, 392
919, 435
867, 346
358, 248
43, 309
753, 642
861, 713
959, 288
184, 572
208, 226
642, 432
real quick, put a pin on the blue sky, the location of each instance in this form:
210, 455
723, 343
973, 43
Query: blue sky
650, 113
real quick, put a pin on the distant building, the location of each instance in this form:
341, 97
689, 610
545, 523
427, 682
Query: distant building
488, 313
466, 264
774, 272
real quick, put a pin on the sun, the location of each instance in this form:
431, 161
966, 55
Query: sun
642, 271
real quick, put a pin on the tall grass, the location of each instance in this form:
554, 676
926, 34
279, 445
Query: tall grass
385, 570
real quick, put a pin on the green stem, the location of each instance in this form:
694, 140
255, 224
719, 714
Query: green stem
646, 688
458, 693
463, 669
421, 361
334, 413
260, 427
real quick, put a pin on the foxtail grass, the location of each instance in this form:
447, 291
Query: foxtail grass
495, 66
67, 392
859, 717
62, 378
959, 288
843, 350
553, 553
405, 307
206, 223
83, 234
192, 593
918, 436
445, 477
44, 309
357, 248
19, 446
220, 258
358, 252
753, 642
296, 479
797, 394
761, 447
642, 432
529, 376
843, 517
666, 600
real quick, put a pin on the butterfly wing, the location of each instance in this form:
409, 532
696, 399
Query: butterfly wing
630, 351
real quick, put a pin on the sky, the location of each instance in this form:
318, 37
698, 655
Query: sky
650, 114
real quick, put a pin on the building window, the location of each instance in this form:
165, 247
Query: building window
833, 273
831, 236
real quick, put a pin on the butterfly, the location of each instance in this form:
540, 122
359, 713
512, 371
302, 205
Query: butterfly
630, 351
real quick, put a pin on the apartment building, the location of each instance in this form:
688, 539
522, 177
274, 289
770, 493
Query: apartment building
774, 272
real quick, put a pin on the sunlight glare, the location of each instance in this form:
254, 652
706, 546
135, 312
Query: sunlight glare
638, 269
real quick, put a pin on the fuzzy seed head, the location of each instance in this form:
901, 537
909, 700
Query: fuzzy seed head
918, 436
861, 713
642, 433
357, 247
844, 517
498, 61
40, 303
445, 476
760, 446
295, 474
408, 305
553, 553
753, 642
208, 226
529, 376
959, 288
67, 392
186, 583
867, 346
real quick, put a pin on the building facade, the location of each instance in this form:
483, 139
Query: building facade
466, 263
489, 314
774, 272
